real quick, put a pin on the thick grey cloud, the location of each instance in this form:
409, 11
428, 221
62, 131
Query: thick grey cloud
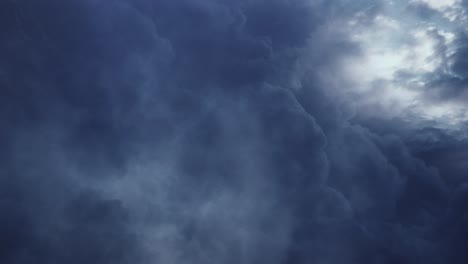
450, 83
139, 131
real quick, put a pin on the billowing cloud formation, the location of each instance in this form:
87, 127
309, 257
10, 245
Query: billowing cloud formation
416, 51
138, 131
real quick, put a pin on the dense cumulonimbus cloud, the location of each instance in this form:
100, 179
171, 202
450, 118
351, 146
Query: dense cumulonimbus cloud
213, 131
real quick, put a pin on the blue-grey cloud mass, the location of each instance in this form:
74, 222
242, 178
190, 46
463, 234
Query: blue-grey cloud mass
217, 131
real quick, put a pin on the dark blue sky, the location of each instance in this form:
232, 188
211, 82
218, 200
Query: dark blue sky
219, 131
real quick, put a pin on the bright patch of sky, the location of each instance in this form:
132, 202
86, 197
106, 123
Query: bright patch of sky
439, 4
397, 56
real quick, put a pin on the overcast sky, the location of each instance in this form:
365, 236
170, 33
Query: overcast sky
222, 131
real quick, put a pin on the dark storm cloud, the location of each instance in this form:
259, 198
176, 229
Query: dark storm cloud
444, 151
450, 82
47, 219
89, 86
168, 131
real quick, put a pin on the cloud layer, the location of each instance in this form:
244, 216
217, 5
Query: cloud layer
215, 131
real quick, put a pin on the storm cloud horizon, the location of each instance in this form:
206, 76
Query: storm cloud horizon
249, 131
